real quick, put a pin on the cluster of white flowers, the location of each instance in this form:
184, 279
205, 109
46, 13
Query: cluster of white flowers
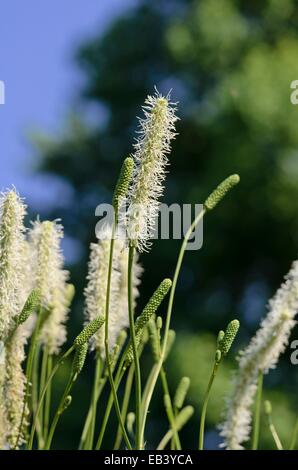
12, 247
15, 286
261, 354
50, 279
156, 131
96, 289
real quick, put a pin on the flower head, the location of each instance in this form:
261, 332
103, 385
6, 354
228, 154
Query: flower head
157, 129
50, 282
12, 261
15, 384
262, 354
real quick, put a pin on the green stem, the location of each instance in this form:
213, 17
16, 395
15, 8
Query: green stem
138, 387
274, 434
125, 403
48, 396
157, 368
257, 413
43, 375
88, 420
106, 341
294, 436
40, 403
170, 411
97, 376
59, 412
205, 405
118, 379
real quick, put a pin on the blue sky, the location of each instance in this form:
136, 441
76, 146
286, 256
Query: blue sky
37, 44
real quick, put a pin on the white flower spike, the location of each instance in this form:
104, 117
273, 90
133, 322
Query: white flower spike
157, 129
262, 354
50, 282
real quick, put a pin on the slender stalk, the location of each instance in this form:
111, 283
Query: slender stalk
257, 413
205, 404
118, 379
40, 403
166, 438
88, 420
59, 411
274, 434
138, 387
294, 436
125, 403
108, 360
158, 366
98, 370
48, 396
127, 391
169, 410
43, 376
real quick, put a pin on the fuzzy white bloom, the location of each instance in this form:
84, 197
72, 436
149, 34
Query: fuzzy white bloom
95, 291
12, 213
15, 285
157, 129
4, 426
15, 385
262, 354
50, 281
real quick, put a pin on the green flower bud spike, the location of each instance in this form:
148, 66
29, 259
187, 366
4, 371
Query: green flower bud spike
181, 392
153, 304
88, 331
149, 310
123, 182
79, 359
217, 356
30, 306
220, 337
66, 403
224, 343
159, 323
229, 337
219, 193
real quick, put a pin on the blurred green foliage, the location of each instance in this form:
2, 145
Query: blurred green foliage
230, 64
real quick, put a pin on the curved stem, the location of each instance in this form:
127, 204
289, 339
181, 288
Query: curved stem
88, 421
125, 403
108, 360
48, 396
274, 434
138, 387
170, 411
257, 413
59, 412
158, 366
58, 364
294, 436
205, 404
93, 405
118, 379
43, 375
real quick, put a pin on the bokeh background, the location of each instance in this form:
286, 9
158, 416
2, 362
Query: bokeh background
76, 74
